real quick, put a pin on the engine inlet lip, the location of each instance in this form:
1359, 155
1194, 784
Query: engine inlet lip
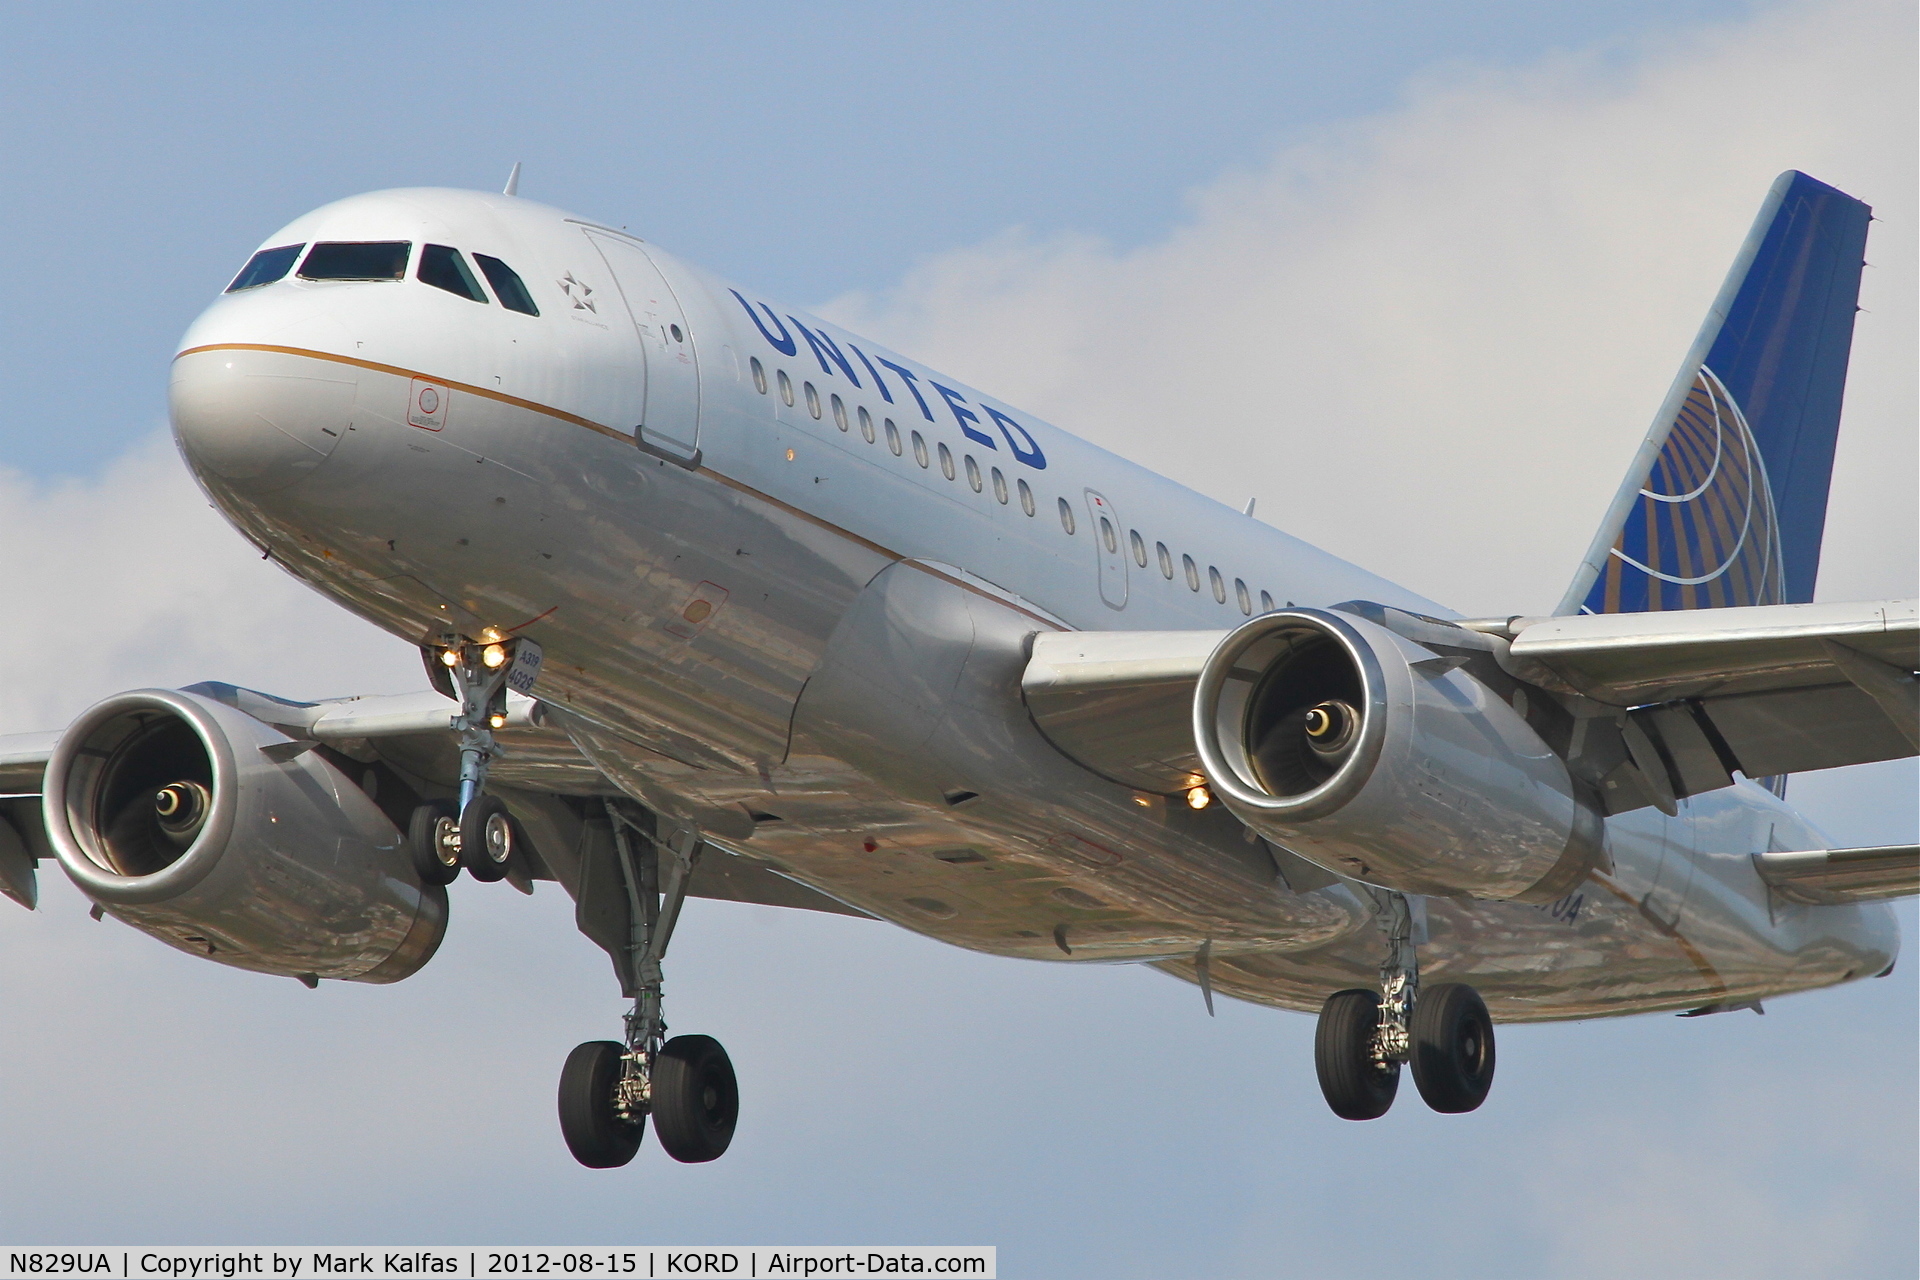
61, 807
1234, 783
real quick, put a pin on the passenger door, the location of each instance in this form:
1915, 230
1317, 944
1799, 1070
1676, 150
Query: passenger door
1110, 543
670, 418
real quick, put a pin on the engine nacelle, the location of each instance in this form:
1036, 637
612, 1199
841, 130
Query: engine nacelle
167, 809
1382, 761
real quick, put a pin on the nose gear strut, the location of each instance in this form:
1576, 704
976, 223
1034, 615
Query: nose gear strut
479, 833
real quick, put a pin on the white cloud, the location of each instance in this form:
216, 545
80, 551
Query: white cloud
1430, 340
132, 579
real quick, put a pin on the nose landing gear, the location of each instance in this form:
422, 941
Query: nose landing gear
476, 833
686, 1084
1363, 1038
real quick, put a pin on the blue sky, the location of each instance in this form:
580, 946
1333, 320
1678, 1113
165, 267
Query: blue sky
807, 149
1413, 275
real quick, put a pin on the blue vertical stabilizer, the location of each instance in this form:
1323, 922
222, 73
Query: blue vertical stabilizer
1727, 499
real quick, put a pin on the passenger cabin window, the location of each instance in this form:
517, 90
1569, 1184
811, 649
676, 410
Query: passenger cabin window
356, 260
1066, 515
973, 474
759, 375
1266, 603
1166, 559
1026, 497
507, 286
866, 424
1139, 547
442, 267
1240, 595
999, 487
946, 462
893, 438
1107, 535
265, 267
813, 401
839, 414
1193, 572
786, 389
919, 449
1219, 584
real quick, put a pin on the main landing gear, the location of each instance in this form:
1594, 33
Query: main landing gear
1444, 1033
477, 833
608, 1089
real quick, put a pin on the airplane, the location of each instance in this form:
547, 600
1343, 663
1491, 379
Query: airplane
717, 598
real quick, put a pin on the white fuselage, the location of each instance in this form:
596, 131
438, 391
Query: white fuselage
795, 631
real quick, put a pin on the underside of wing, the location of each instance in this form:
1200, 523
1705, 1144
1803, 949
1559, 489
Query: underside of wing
555, 792
1121, 702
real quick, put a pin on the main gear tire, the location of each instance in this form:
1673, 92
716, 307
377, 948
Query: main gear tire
1452, 1047
1355, 1085
589, 1120
696, 1099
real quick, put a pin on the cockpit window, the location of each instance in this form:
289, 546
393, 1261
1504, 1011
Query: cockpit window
265, 267
506, 284
442, 267
356, 260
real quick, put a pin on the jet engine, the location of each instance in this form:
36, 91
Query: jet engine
218, 835
1383, 761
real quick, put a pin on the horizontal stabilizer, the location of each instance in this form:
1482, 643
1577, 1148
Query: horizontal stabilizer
1827, 876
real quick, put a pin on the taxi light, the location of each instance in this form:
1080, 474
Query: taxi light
494, 655
450, 657
497, 721
1199, 798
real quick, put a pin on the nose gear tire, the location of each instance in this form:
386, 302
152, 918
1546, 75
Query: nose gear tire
696, 1100
1452, 1047
595, 1133
431, 838
486, 838
1356, 1087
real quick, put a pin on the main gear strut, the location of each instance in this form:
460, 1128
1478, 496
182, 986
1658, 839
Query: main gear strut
686, 1085
1364, 1037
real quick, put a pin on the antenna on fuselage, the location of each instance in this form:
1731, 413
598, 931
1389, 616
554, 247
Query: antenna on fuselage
513, 181
1250, 501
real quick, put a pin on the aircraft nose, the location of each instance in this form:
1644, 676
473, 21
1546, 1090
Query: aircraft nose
259, 420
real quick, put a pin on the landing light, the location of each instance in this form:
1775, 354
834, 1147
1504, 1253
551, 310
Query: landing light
497, 721
494, 655
450, 657
1199, 798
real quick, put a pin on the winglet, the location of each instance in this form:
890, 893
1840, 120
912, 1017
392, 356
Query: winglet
513, 181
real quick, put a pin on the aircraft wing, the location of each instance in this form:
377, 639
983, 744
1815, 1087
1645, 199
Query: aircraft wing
1768, 690
1842, 875
409, 734
1676, 701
